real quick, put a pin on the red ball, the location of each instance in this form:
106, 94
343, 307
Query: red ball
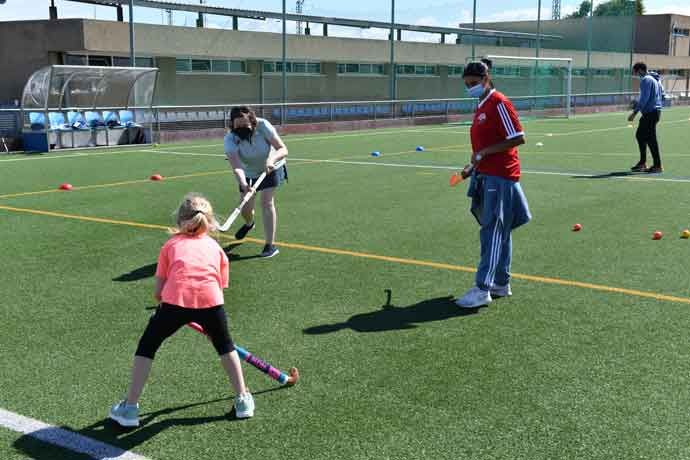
657, 235
156, 177
65, 186
577, 227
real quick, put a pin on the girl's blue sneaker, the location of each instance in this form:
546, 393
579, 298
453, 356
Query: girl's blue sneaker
124, 414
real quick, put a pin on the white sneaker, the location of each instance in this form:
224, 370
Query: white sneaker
244, 405
501, 291
474, 298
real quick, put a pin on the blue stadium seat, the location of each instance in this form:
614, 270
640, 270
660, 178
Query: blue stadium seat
76, 120
57, 121
126, 117
111, 119
94, 119
37, 121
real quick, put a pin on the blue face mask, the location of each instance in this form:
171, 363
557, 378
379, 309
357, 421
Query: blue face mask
476, 90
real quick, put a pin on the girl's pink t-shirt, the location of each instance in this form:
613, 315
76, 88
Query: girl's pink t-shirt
195, 270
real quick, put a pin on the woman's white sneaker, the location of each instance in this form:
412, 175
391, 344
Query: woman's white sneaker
474, 298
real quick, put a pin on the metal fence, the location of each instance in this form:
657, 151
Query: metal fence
215, 118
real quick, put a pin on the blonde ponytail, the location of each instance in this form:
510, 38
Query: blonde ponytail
195, 216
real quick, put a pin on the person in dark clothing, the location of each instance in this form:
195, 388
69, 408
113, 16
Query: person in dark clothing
650, 104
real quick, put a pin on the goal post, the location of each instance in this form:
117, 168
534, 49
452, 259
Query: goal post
535, 78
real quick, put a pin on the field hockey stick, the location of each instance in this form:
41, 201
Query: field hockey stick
456, 178
226, 225
4, 144
276, 374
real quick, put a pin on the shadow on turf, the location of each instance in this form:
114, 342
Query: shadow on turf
610, 175
235, 257
391, 318
147, 271
111, 433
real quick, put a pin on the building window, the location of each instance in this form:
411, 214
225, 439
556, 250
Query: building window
456, 70
420, 70
201, 65
237, 67
362, 69
106, 61
103, 61
120, 61
299, 67
183, 65
75, 59
678, 32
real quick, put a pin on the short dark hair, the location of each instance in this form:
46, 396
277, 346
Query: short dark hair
488, 62
476, 69
242, 112
640, 66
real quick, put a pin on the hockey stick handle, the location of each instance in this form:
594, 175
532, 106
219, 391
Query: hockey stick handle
276, 374
278, 164
252, 190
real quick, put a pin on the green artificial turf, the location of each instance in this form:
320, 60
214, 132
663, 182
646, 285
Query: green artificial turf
556, 371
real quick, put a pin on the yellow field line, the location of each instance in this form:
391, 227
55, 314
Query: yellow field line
369, 256
116, 184
100, 220
185, 176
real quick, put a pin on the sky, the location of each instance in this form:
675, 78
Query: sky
425, 12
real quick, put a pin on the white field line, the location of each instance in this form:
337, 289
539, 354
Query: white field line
653, 178
364, 133
444, 149
598, 130
454, 128
192, 154
632, 155
327, 136
58, 156
64, 438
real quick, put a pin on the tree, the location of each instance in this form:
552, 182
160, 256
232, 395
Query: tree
609, 8
618, 8
582, 11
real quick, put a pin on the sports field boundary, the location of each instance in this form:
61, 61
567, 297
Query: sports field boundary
346, 161
370, 256
64, 438
360, 133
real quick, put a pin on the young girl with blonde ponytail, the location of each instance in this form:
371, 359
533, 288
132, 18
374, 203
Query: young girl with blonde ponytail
192, 272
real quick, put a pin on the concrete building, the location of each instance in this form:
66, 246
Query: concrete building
212, 66
657, 34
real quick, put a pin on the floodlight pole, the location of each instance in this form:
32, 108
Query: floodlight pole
391, 37
590, 26
131, 34
474, 27
285, 85
633, 19
538, 28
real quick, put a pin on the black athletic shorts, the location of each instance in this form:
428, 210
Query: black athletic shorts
169, 318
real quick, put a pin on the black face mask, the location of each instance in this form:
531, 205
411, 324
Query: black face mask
244, 133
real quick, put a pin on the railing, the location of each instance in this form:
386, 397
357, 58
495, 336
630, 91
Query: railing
216, 117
